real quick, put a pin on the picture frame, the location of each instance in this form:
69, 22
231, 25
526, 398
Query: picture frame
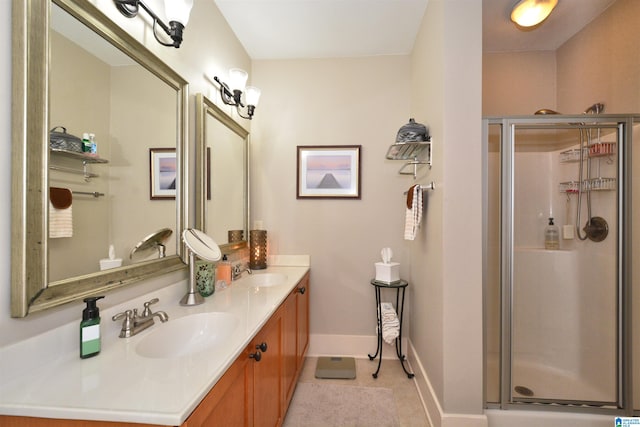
162, 173
328, 172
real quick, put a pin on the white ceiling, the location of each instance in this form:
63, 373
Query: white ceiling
278, 29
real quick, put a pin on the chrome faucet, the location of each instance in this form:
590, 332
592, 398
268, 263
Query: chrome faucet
238, 269
134, 324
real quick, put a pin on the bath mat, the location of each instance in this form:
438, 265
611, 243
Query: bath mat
336, 368
330, 405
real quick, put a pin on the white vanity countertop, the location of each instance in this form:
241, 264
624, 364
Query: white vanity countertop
120, 385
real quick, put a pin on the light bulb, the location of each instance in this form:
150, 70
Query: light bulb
528, 13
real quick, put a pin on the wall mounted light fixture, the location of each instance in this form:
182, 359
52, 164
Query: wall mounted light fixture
231, 93
176, 11
528, 13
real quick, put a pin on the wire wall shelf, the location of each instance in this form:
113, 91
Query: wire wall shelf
414, 153
593, 184
598, 149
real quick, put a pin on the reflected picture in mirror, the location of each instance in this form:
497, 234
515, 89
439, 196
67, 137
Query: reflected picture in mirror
162, 173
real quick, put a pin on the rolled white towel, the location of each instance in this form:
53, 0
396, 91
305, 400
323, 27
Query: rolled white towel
390, 322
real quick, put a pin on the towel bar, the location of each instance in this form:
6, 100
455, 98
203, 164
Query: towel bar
430, 186
88, 193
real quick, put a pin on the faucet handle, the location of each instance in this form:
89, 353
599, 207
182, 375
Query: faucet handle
127, 325
126, 314
147, 310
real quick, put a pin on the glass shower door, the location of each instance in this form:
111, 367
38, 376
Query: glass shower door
564, 291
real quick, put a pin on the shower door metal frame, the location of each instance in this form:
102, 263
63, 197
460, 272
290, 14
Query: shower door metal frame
508, 125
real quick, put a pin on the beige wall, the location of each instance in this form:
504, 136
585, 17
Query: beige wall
78, 79
354, 101
518, 83
446, 260
142, 117
601, 63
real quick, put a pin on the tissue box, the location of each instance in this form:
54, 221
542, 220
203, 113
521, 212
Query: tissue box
107, 263
387, 273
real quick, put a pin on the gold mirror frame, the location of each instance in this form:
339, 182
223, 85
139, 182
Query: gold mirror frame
30, 290
205, 107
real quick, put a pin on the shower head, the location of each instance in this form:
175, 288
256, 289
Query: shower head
545, 111
595, 109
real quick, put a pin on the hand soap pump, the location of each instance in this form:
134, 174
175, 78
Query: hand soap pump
90, 329
551, 236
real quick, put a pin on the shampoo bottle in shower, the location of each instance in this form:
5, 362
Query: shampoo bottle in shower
551, 236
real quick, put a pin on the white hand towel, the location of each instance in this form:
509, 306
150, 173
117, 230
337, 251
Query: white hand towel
390, 322
413, 214
60, 222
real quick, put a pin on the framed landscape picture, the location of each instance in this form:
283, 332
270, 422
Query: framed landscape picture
162, 172
328, 172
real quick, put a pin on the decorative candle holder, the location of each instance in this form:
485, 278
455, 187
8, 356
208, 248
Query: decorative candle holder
236, 236
257, 249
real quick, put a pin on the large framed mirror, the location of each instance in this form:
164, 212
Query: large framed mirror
222, 175
76, 71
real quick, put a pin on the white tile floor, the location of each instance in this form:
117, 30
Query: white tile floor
391, 375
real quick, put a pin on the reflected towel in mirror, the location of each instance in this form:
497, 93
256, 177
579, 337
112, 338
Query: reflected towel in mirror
60, 213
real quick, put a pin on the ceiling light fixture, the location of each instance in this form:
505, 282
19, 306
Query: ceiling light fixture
176, 11
231, 93
528, 13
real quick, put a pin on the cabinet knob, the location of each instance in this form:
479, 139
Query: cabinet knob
302, 290
257, 356
262, 347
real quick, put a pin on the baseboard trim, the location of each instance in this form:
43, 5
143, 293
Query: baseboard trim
436, 416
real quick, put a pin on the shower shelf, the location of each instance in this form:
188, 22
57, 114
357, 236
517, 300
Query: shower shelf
601, 149
594, 184
573, 155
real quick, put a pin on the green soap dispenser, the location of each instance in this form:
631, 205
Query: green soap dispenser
90, 329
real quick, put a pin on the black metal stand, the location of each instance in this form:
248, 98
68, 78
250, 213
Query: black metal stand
398, 286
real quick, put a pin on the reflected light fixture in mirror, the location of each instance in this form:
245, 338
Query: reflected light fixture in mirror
528, 13
176, 11
231, 93
203, 246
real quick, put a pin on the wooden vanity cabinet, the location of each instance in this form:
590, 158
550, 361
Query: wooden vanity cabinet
295, 338
255, 391
267, 373
228, 403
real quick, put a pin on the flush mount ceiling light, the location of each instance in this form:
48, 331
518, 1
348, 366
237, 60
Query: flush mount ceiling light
176, 11
528, 13
231, 93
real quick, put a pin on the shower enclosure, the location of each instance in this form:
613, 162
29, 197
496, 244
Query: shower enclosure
558, 321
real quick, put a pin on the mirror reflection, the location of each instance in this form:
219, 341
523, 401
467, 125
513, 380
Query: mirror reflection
98, 91
86, 203
223, 193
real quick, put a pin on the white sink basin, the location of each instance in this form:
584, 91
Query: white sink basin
259, 280
187, 335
